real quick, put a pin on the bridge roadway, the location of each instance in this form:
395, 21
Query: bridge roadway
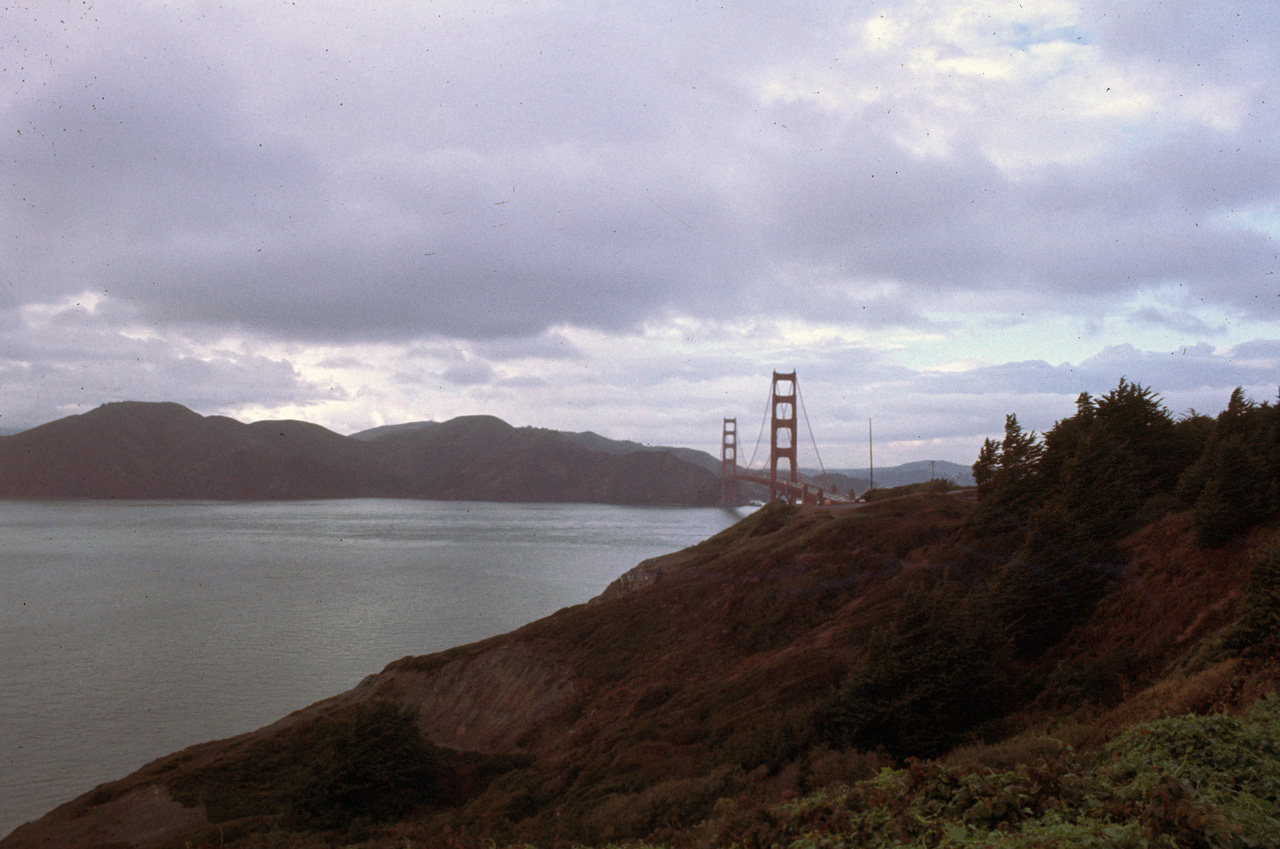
794, 490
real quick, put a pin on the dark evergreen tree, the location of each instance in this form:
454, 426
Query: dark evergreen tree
984, 469
1006, 474
1102, 466
1236, 482
940, 670
1096, 476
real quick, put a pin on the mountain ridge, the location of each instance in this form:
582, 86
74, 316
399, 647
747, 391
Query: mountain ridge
164, 450
134, 449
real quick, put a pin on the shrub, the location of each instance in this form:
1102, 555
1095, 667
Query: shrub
939, 670
368, 763
1230, 765
364, 764
1257, 631
1209, 781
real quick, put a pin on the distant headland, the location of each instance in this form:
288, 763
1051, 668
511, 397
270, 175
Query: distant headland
134, 449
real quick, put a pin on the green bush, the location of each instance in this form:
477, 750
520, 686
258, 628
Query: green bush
1210, 782
1229, 766
1256, 633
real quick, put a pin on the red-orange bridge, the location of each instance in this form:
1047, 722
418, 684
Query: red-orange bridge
782, 415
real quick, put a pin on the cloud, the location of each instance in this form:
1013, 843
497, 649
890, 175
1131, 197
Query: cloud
1182, 321
558, 209
1192, 368
470, 373
493, 177
46, 373
550, 345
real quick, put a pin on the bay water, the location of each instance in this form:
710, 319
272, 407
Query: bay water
130, 629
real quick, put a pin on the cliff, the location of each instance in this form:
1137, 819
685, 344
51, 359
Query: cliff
704, 686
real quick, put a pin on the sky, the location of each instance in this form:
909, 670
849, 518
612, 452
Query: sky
623, 217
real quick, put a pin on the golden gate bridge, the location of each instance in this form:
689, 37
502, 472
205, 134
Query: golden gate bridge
782, 416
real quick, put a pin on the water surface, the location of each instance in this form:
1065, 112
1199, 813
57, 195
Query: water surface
130, 629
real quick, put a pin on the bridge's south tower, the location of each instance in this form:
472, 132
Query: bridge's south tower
782, 444
729, 464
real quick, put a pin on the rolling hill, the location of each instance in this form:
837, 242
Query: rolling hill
164, 450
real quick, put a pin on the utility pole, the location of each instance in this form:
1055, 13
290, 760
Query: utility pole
871, 454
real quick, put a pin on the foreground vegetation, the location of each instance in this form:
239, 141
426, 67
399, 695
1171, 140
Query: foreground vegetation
1077, 657
1202, 781
1189, 781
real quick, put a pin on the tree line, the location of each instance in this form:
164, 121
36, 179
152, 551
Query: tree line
1122, 461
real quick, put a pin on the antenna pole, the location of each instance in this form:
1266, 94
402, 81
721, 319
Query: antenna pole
871, 456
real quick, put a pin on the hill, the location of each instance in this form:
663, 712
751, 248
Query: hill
583, 439
482, 458
1080, 652
150, 450
163, 450
803, 648
905, 474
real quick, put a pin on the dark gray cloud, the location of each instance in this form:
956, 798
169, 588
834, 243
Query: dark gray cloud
469, 373
389, 175
281, 192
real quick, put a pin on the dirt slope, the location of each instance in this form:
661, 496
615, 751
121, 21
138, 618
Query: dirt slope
714, 671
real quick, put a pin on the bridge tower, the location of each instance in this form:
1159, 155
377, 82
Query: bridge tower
782, 423
729, 464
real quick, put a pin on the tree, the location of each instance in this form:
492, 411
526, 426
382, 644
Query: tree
1074, 496
1019, 453
1006, 474
984, 470
1235, 485
939, 669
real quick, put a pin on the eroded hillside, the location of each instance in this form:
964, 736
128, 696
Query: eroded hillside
802, 648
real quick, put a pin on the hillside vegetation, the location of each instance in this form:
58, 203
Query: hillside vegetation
1078, 654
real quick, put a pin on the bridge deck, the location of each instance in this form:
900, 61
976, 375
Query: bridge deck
800, 491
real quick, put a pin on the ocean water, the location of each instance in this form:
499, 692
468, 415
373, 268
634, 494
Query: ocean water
130, 629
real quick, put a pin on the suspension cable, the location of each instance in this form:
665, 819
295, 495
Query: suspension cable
811, 438
760, 435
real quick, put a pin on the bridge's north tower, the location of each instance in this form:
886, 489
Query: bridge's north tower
782, 442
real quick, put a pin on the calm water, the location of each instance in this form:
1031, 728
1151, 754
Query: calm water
131, 629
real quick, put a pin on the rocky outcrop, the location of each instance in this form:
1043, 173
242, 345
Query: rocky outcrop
494, 701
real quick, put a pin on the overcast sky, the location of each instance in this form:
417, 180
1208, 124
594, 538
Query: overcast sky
621, 217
